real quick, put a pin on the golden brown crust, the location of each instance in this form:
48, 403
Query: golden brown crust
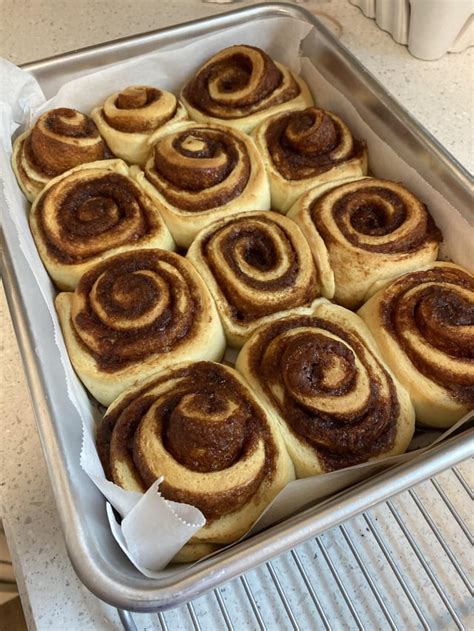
303, 149
135, 109
370, 209
134, 118
200, 168
135, 305
207, 423
240, 86
77, 221
201, 173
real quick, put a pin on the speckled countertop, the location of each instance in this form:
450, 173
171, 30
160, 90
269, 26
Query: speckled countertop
439, 94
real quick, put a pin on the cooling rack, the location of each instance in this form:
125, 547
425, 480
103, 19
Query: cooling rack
406, 564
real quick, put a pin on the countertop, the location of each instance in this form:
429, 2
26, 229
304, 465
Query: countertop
439, 94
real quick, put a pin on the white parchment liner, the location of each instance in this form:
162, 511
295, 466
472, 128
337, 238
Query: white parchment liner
154, 529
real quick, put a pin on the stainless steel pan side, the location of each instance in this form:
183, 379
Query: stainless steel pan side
52, 72
97, 559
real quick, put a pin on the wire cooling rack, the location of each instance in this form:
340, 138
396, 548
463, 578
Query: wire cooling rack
406, 564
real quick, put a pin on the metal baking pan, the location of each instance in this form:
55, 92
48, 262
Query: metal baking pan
96, 557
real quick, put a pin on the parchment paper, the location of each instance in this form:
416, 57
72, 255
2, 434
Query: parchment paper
153, 529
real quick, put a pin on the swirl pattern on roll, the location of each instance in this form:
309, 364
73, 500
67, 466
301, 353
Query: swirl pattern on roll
305, 143
200, 427
134, 314
338, 403
424, 324
211, 162
90, 213
305, 148
59, 140
240, 85
202, 173
257, 266
362, 231
132, 119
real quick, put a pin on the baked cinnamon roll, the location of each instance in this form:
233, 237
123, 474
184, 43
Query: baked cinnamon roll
91, 213
198, 425
258, 267
134, 315
302, 149
59, 140
240, 86
423, 323
203, 173
133, 119
337, 402
364, 230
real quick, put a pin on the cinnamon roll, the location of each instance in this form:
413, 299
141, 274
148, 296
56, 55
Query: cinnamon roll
302, 149
134, 315
203, 173
337, 402
198, 425
132, 120
364, 230
59, 140
423, 323
91, 213
258, 266
240, 86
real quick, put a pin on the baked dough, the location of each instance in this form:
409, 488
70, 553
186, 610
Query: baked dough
258, 267
423, 323
134, 315
364, 230
305, 148
202, 173
198, 425
337, 402
240, 86
132, 120
59, 140
90, 213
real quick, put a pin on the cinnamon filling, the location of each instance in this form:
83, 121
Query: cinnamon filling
306, 143
136, 305
200, 169
51, 146
207, 422
70, 123
94, 215
373, 210
145, 111
258, 268
312, 378
430, 305
245, 72
137, 97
